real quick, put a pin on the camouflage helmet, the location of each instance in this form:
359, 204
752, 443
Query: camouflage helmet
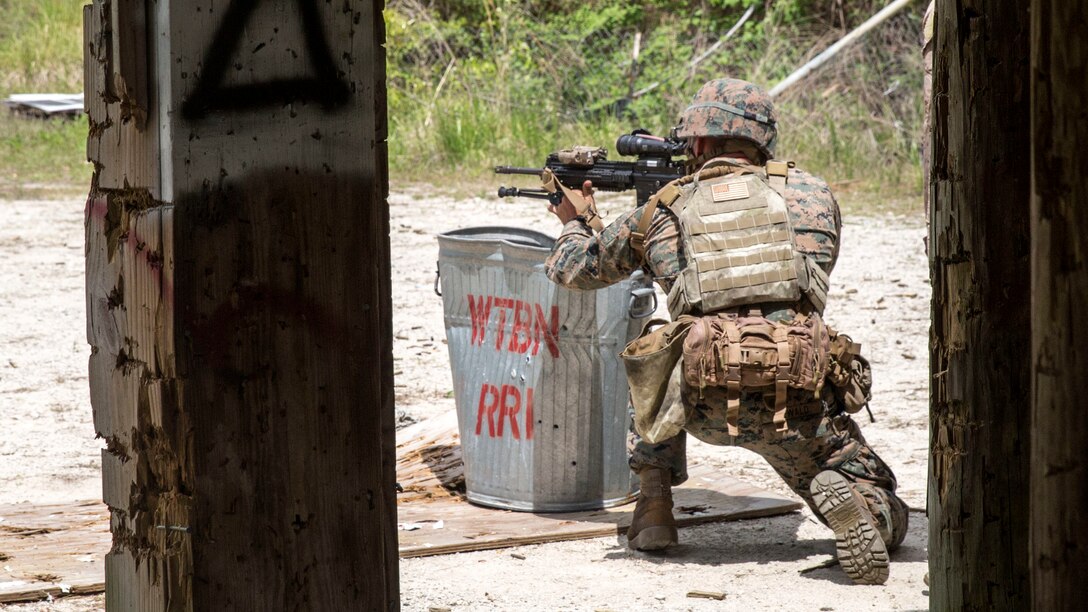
731, 108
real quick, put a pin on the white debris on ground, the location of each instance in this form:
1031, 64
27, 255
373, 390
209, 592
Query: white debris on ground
46, 104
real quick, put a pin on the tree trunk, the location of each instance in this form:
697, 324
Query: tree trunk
979, 257
1059, 470
239, 304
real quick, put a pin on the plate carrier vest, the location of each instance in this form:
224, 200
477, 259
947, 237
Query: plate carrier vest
737, 239
739, 245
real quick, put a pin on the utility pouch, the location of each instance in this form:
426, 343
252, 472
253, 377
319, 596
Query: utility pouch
755, 354
850, 374
814, 283
652, 362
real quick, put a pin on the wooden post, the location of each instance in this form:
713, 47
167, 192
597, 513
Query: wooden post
238, 288
1059, 470
979, 257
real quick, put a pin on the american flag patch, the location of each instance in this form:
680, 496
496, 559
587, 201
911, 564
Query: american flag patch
733, 190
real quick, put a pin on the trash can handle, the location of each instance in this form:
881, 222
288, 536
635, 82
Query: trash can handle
437, 275
639, 294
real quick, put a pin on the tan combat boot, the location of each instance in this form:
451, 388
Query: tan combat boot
652, 526
861, 551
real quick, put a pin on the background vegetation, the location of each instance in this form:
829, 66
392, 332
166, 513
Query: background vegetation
41, 46
473, 83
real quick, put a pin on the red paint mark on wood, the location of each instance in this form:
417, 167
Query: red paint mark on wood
98, 208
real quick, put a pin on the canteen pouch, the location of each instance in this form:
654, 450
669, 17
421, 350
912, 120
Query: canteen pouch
652, 362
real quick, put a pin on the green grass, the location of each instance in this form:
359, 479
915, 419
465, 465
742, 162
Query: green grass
41, 46
856, 122
451, 122
40, 157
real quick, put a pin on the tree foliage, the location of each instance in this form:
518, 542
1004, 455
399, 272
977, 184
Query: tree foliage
471, 80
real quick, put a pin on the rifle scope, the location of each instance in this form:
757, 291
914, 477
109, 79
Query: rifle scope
642, 143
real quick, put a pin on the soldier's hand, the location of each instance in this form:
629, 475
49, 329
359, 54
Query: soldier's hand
566, 211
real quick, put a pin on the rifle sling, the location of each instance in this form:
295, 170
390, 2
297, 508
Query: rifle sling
669, 194
581, 205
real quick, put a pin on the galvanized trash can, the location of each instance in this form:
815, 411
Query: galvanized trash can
540, 390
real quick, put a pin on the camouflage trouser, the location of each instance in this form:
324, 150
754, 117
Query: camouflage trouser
814, 442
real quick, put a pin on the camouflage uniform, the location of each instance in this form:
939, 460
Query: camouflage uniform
820, 437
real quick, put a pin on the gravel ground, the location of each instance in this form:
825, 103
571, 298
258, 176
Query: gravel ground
880, 296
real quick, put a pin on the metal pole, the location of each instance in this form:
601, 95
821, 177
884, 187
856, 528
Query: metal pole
830, 52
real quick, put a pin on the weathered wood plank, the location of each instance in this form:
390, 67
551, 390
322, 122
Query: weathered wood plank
72, 541
707, 497
165, 349
145, 571
94, 76
141, 255
103, 273
258, 239
289, 188
93, 71
46, 546
115, 399
118, 480
128, 156
979, 258
129, 60
431, 472
1059, 272
123, 140
429, 464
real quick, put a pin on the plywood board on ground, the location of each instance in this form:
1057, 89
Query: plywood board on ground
52, 549
449, 525
434, 518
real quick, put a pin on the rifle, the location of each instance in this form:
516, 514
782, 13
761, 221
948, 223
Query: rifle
568, 169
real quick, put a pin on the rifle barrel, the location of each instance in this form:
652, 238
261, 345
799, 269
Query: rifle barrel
517, 170
540, 194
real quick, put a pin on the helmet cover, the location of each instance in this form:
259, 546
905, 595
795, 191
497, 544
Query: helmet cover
731, 108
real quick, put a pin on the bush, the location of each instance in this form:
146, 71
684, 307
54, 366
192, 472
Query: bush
476, 83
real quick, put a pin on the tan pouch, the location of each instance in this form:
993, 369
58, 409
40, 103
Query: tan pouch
750, 352
857, 389
653, 378
754, 354
850, 374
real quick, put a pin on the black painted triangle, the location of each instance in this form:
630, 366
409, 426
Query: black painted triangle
324, 86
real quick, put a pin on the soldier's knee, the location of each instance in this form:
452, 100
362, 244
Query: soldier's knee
891, 513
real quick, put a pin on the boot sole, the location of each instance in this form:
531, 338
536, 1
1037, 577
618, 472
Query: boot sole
654, 538
861, 551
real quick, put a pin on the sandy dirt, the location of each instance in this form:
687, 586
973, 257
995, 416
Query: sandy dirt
880, 296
